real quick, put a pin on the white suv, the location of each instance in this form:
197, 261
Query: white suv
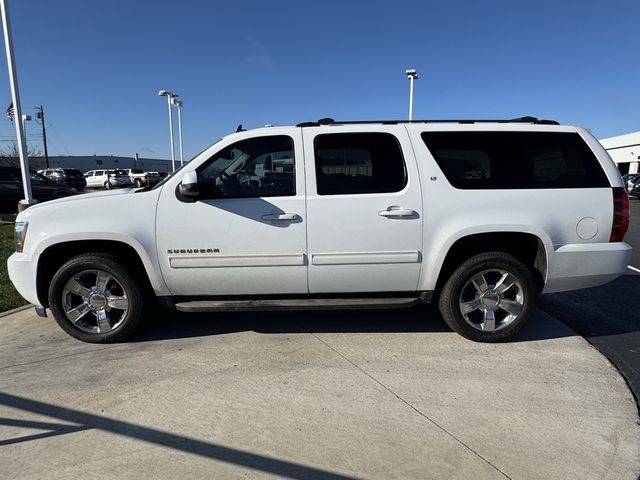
107, 179
480, 216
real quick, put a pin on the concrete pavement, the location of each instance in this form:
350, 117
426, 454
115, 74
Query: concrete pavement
382, 394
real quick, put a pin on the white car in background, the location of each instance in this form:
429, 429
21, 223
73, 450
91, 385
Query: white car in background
107, 179
140, 178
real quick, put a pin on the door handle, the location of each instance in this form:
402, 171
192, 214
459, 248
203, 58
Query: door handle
397, 212
281, 217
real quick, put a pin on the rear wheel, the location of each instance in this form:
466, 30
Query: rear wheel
94, 299
138, 183
489, 298
107, 185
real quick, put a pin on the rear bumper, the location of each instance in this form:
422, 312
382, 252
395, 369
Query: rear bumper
584, 265
22, 273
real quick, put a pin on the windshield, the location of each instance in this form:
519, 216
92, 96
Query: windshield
37, 178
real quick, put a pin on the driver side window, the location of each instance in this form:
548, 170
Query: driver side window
255, 167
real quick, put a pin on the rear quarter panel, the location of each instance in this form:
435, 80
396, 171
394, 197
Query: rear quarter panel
551, 214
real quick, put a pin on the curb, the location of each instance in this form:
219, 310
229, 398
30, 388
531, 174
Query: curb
15, 310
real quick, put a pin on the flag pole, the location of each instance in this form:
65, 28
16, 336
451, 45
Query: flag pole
15, 94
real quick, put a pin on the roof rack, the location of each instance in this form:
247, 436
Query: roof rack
331, 121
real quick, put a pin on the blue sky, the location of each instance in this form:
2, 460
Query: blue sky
97, 66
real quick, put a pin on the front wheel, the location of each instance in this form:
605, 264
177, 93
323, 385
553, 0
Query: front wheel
489, 298
95, 299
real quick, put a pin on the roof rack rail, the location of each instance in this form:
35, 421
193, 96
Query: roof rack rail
330, 121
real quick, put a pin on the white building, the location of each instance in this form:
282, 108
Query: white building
625, 151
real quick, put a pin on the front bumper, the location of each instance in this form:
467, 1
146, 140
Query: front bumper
584, 265
22, 269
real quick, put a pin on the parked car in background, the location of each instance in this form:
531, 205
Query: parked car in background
43, 189
630, 179
107, 179
138, 177
635, 191
154, 177
71, 176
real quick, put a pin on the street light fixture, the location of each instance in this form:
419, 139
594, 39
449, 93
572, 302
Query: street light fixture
25, 119
170, 96
178, 105
412, 75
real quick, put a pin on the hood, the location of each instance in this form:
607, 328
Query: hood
78, 200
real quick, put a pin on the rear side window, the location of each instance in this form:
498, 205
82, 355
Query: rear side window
352, 163
515, 160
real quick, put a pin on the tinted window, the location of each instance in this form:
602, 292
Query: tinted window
515, 160
256, 167
37, 178
358, 163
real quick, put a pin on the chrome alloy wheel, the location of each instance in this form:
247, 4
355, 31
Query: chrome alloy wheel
94, 301
491, 300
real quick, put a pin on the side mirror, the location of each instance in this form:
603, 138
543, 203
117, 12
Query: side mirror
189, 187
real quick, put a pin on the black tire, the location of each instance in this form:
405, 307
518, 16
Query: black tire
129, 284
107, 185
138, 183
459, 289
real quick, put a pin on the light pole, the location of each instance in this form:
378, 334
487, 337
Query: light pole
178, 105
170, 95
25, 119
40, 116
15, 94
412, 75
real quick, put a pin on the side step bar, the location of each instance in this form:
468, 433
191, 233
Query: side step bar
298, 304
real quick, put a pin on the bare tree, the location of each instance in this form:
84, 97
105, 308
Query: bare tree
10, 156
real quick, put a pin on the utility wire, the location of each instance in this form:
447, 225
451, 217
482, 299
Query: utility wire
55, 132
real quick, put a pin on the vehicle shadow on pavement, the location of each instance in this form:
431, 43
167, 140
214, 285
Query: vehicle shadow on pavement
76, 420
424, 319
610, 309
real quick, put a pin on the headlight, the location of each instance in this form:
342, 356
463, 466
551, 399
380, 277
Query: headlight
20, 234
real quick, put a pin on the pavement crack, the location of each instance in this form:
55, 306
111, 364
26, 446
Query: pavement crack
415, 409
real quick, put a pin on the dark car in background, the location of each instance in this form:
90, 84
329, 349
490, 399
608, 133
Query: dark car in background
42, 189
71, 176
635, 191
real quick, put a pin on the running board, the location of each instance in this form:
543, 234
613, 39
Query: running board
298, 304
